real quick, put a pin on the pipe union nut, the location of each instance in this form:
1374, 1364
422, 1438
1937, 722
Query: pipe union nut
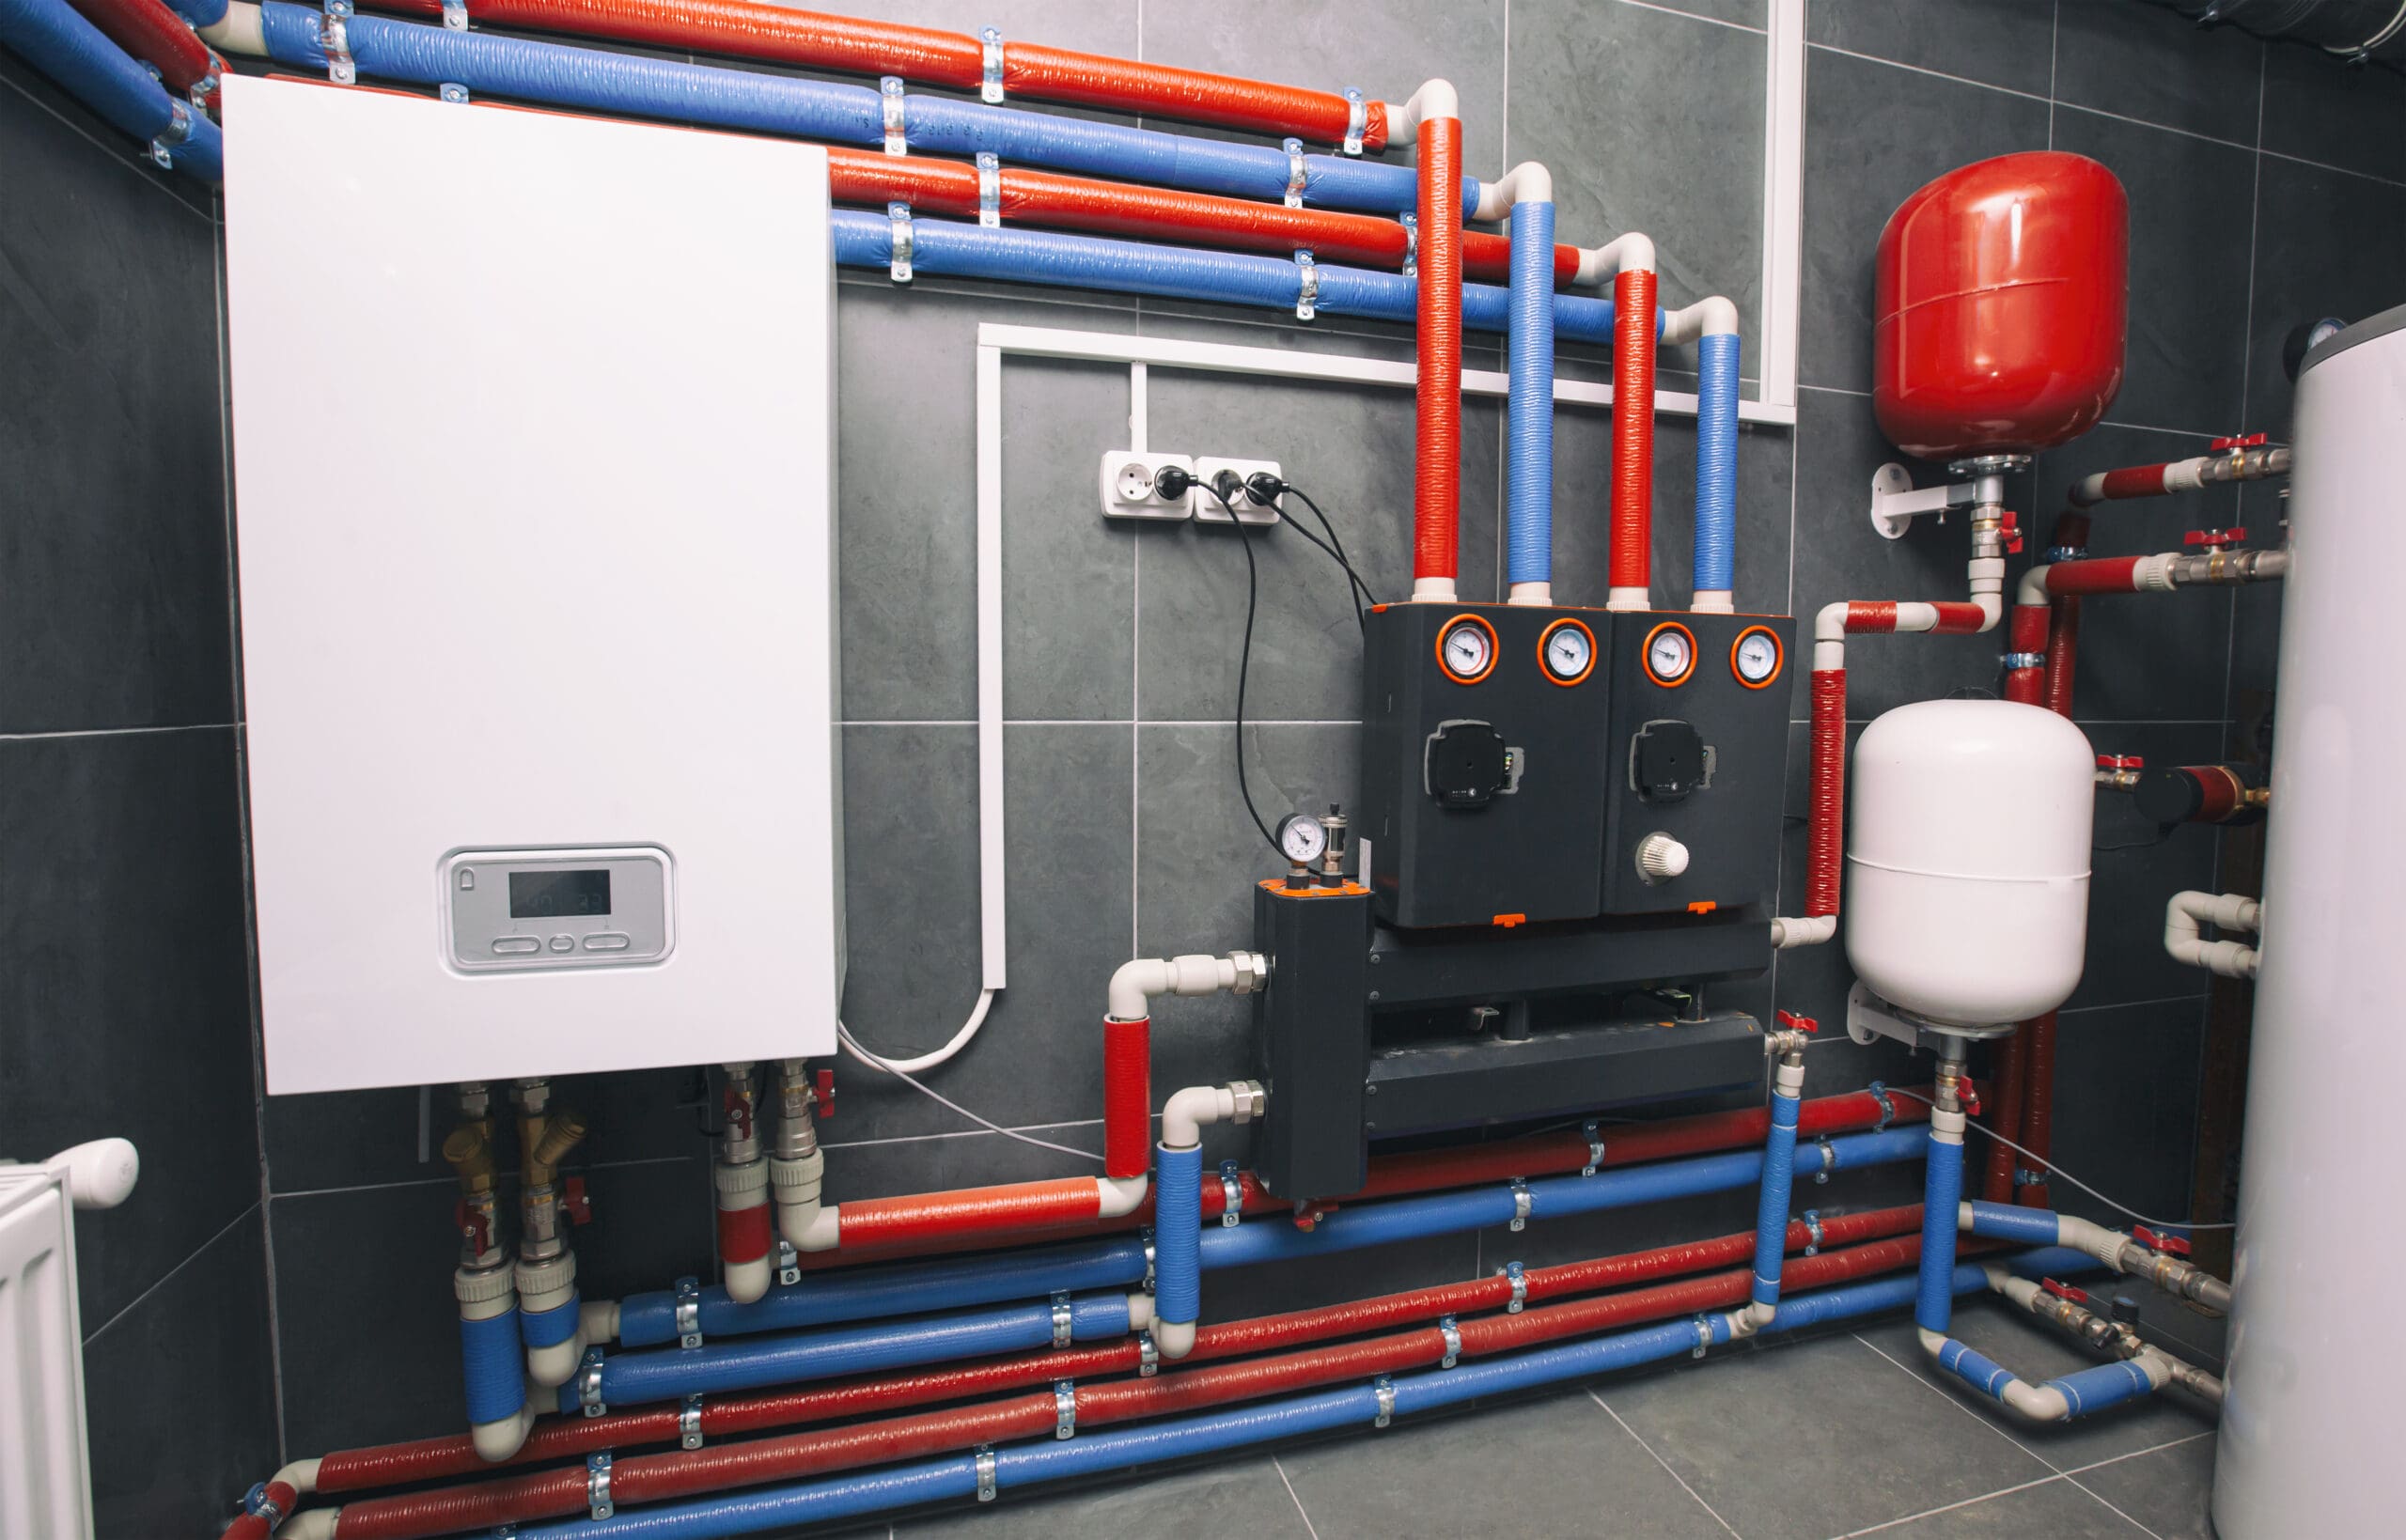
1251, 1100
1253, 971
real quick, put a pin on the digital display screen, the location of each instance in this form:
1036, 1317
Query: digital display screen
548, 896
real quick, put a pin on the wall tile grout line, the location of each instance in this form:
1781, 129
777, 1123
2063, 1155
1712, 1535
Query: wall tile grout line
117, 731
1300, 1512
2055, 55
1952, 1400
2325, 165
162, 1281
447, 1181
1695, 16
1920, 69
1667, 1469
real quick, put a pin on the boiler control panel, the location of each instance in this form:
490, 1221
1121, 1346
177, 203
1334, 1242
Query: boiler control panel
515, 909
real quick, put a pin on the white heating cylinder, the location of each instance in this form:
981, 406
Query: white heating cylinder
2311, 1418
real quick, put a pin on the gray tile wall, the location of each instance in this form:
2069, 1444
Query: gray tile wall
2267, 187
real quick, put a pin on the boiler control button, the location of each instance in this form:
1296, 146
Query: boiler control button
607, 941
508, 944
563, 943
1660, 858
1467, 764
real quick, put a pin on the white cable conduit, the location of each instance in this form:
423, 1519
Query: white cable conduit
2187, 912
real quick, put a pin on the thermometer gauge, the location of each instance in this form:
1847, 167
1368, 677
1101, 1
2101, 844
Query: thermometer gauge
1670, 653
1301, 838
1756, 658
1567, 650
1466, 649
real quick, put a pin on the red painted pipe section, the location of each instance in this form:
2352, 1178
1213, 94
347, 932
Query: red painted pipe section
2028, 635
744, 1234
2063, 647
1826, 827
155, 35
1127, 1097
1633, 505
1958, 618
2130, 481
754, 29
2102, 575
982, 1211
1437, 469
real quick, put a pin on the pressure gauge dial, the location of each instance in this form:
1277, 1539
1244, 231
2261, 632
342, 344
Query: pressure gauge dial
1567, 650
1466, 648
1670, 653
1755, 658
1301, 838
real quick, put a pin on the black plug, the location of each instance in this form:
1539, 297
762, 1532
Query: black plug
1230, 486
1264, 489
1173, 482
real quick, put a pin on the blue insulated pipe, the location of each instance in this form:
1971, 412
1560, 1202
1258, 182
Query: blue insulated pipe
489, 1362
600, 80
1717, 462
60, 44
957, 1477
1770, 1211
2005, 1221
1528, 513
1942, 1191
1177, 1282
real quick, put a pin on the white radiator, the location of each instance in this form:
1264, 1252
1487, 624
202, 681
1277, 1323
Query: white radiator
45, 1472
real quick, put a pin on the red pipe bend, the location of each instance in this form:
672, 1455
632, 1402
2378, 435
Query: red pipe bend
1632, 556
155, 35
978, 1210
1437, 459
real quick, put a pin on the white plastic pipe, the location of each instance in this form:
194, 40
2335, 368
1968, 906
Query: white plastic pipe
1194, 973
542, 1286
1710, 317
1435, 99
1631, 252
241, 30
1528, 183
2185, 915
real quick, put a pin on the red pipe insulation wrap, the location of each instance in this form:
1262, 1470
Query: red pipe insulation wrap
2103, 575
1127, 1096
1875, 616
1826, 827
648, 1478
2063, 650
2135, 481
1437, 471
2028, 635
1632, 508
254, 1526
1092, 80
2038, 1110
450, 1510
744, 1234
2037, 1117
979, 1210
1245, 1381
1957, 618
151, 32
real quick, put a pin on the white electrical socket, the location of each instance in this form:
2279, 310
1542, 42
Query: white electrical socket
1127, 486
1207, 507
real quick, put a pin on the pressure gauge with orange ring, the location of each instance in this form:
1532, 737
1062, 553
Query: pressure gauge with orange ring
1565, 651
1466, 648
1670, 654
1756, 656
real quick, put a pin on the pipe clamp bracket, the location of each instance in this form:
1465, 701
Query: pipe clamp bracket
1385, 1387
985, 1472
1521, 1202
1065, 1408
453, 93
1829, 1160
1595, 1147
889, 95
1148, 1358
1813, 1232
455, 15
898, 266
689, 1421
689, 1312
1703, 1338
1231, 1195
1520, 1282
1410, 245
1148, 1234
256, 1501
589, 1384
2025, 659
334, 35
1879, 1092
1357, 117
2065, 553
990, 50
1453, 1336
1061, 1319
989, 190
597, 1484
179, 129
1307, 288
789, 1263
1294, 148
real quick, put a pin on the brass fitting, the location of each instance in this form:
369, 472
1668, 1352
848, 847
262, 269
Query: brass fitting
470, 1154
547, 1142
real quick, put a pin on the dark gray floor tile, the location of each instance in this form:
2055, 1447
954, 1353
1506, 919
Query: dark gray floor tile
1242, 1496
1191, 578
179, 1396
1873, 135
911, 875
110, 426
2153, 64
2036, 1352
1996, 42
2057, 1509
1730, 1427
2185, 360
1702, 84
125, 1001
2165, 1489
1440, 1476
2327, 244
2318, 108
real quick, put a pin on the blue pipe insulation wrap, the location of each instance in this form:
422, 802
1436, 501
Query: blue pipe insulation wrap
55, 40
2004, 1222
1347, 1229
1717, 462
1119, 1448
489, 1363
1770, 1210
2051, 1262
548, 1327
647, 1320
1975, 1369
2084, 1390
717, 1366
199, 13
1529, 507
1177, 1245
1942, 1196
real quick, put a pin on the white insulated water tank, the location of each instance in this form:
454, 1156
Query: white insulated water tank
1967, 859
2311, 1423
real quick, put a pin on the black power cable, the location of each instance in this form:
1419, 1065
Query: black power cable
1245, 657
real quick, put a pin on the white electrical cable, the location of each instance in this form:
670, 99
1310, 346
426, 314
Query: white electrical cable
893, 1067
2110, 1202
930, 1060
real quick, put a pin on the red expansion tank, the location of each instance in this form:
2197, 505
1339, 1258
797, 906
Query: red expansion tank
2003, 294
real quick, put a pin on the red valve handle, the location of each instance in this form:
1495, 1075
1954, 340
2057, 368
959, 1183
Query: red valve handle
2064, 1291
1804, 1024
739, 1113
827, 1092
2215, 537
1968, 1094
2157, 1240
2120, 762
574, 1203
2248, 442
2008, 525
466, 1220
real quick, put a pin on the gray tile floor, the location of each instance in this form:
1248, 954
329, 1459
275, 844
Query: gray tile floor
1837, 1435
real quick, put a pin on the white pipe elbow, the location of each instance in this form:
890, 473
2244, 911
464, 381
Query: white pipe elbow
1829, 623
2033, 588
1174, 1339
554, 1366
2096, 1239
1435, 99
1121, 1195
502, 1437
1135, 983
1631, 252
241, 30
748, 1280
1140, 1311
1809, 930
301, 1475
810, 1226
2186, 913
598, 1319
312, 1524
1183, 1117
1710, 317
1528, 182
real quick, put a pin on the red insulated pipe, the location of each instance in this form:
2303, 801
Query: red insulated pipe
157, 35
973, 1211
744, 1234
254, 1526
1127, 1096
2039, 1111
754, 29
648, 1478
1826, 825
1633, 505
1437, 471
2028, 635
2130, 481
2063, 648
1958, 618
2102, 575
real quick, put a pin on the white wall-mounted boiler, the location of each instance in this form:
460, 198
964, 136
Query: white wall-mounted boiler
534, 482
